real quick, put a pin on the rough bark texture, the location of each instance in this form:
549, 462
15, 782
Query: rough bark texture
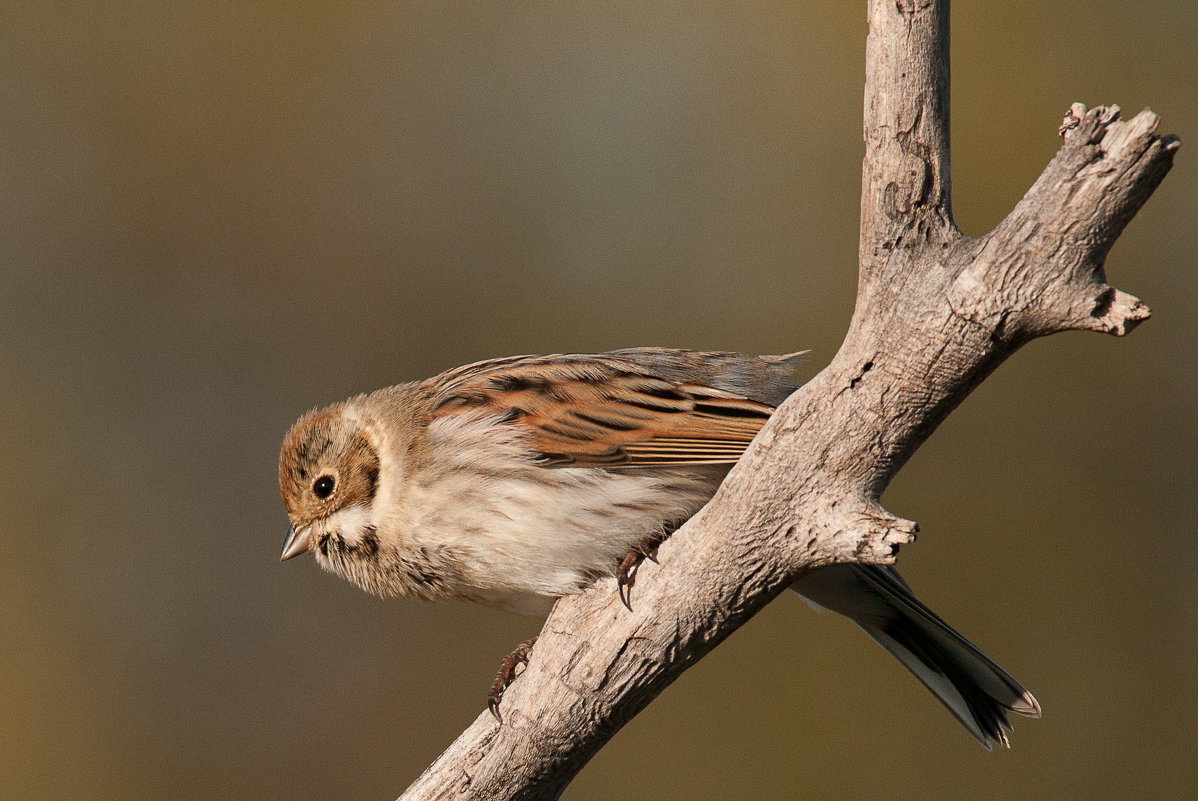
936, 313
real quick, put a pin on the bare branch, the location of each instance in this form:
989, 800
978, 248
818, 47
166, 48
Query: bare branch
936, 313
905, 183
1069, 219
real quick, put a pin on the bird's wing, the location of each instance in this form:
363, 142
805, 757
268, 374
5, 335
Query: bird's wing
616, 409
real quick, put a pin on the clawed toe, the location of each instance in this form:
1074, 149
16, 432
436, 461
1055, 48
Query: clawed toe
626, 576
506, 675
626, 572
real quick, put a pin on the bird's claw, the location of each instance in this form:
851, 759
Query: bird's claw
506, 675
626, 575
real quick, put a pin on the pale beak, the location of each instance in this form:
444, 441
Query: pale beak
296, 542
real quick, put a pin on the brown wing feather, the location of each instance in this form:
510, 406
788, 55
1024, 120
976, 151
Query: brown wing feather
611, 410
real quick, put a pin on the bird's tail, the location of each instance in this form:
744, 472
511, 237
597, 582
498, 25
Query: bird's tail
977, 691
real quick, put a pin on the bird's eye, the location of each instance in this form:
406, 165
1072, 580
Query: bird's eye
323, 487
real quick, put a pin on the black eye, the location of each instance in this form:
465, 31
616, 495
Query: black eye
323, 487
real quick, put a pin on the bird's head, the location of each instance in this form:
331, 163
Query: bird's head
328, 477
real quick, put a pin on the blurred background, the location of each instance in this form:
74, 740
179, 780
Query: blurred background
216, 215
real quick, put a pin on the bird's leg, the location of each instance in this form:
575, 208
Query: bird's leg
507, 674
626, 572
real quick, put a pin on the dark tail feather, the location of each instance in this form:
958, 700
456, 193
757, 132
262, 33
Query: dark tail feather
977, 691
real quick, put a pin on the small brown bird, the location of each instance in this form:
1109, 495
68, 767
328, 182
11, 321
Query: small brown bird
513, 482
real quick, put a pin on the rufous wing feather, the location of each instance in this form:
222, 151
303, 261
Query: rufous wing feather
608, 410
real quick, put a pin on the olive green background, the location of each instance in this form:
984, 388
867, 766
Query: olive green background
216, 215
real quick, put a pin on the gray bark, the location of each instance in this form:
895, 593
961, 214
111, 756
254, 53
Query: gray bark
936, 312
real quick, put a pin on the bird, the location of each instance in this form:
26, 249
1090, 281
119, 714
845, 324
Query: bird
513, 482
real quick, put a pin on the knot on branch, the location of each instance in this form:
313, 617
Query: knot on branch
1086, 123
1117, 313
910, 187
865, 533
881, 535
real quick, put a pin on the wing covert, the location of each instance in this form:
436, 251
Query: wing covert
613, 410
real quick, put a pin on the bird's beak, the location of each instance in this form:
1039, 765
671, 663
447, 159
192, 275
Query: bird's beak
296, 542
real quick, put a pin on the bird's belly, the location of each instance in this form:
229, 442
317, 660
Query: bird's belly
524, 540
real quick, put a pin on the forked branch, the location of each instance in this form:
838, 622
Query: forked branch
936, 313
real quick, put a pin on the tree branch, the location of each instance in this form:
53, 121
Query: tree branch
905, 183
936, 313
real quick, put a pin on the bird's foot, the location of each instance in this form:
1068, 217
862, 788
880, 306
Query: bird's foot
506, 675
626, 572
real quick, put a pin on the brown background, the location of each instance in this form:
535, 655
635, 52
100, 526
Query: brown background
217, 215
